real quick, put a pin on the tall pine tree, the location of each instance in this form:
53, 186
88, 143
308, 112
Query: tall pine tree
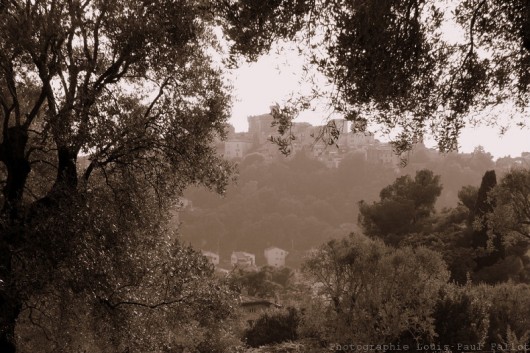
487, 254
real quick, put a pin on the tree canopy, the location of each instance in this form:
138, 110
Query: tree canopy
403, 206
394, 63
375, 293
108, 110
511, 213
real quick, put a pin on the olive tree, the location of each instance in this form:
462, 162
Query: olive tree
375, 293
108, 110
411, 67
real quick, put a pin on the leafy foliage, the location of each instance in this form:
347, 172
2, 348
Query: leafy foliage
294, 204
255, 25
511, 214
489, 315
263, 283
461, 317
374, 293
273, 328
391, 65
123, 283
508, 310
404, 204
356, 300
108, 110
467, 197
493, 250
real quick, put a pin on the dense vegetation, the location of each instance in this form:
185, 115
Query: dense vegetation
357, 290
373, 294
109, 110
298, 203
420, 275
458, 279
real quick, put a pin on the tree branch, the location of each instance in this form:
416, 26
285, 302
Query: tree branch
36, 108
114, 305
160, 93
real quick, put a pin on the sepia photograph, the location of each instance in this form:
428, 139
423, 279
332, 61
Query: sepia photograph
264, 176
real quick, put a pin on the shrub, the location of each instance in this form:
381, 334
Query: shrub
461, 317
273, 328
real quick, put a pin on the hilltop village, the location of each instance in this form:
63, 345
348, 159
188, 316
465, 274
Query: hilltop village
265, 211
260, 129
237, 145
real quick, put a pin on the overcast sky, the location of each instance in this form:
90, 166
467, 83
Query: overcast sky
272, 78
259, 85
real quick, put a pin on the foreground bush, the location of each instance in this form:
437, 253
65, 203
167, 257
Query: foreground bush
273, 328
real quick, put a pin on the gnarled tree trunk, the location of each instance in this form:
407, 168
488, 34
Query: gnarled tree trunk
12, 155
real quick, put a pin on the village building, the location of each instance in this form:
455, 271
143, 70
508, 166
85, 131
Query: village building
275, 256
242, 259
211, 256
236, 148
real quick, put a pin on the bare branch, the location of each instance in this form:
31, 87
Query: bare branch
36, 108
114, 305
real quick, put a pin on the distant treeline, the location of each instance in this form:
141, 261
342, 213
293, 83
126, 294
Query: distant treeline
298, 203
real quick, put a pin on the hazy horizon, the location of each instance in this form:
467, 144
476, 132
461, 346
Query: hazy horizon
274, 77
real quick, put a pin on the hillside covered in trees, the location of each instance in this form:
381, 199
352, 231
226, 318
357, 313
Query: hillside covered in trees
297, 203
413, 276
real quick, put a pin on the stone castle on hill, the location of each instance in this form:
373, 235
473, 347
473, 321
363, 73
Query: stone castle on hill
257, 140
